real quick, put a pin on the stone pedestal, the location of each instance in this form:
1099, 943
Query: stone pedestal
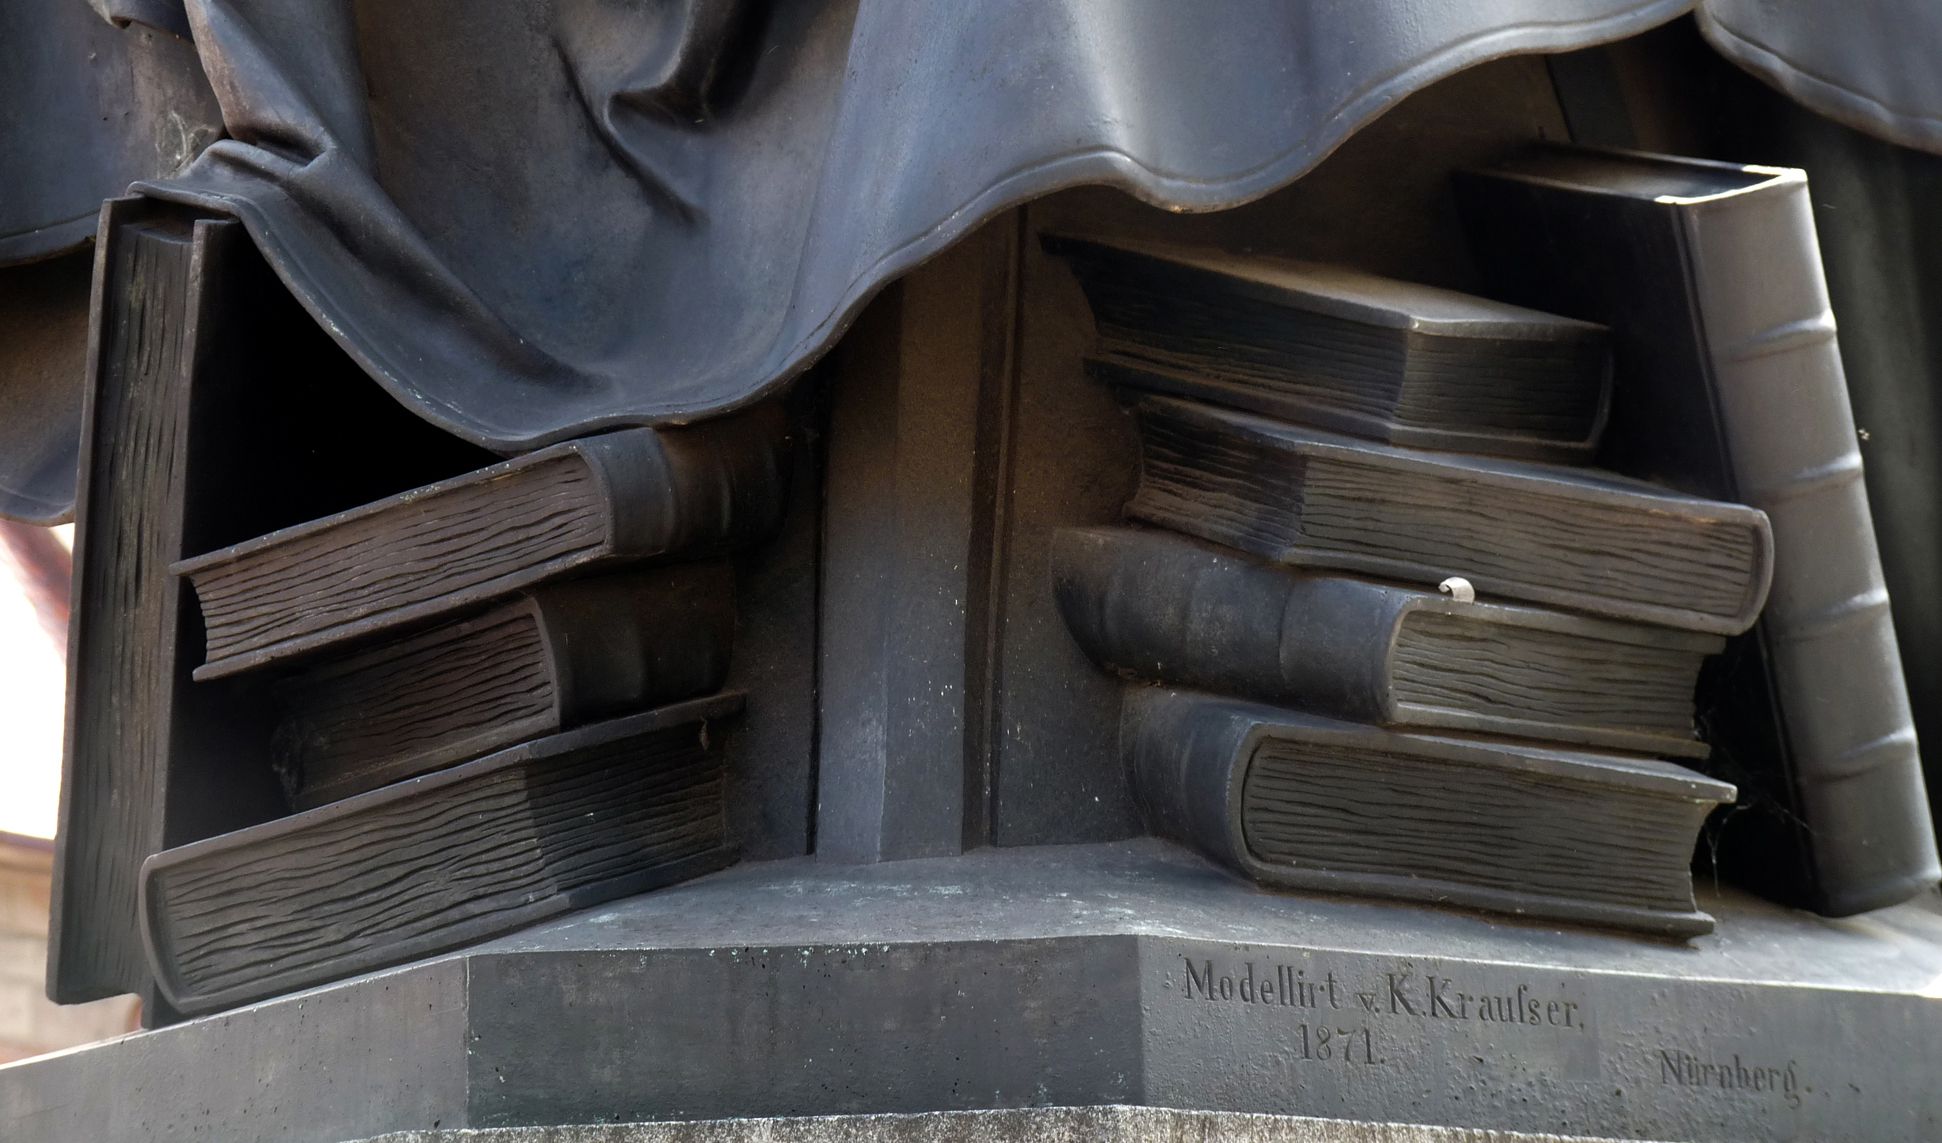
1077, 977
1116, 1123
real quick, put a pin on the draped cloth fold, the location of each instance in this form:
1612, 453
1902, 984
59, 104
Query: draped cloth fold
532, 219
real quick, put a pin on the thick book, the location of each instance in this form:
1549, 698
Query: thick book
439, 861
1345, 350
1304, 802
551, 658
1154, 606
1567, 538
1731, 386
150, 282
631, 495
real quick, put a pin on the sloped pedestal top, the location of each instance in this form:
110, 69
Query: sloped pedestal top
1125, 974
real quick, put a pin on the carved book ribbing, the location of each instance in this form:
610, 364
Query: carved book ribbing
1710, 276
625, 496
1563, 537
440, 861
1300, 801
1344, 350
551, 658
1158, 607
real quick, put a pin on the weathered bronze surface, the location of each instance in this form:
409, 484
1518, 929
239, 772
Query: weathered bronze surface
550, 451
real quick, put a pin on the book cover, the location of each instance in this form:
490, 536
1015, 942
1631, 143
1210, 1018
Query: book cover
124, 625
1345, 350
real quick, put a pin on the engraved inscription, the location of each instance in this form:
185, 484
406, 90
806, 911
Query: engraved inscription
1276, 984
1405, 994
1438, 998
1682, 1068
1383, 1018
1352, 1045
1339, 1018
1347, 1042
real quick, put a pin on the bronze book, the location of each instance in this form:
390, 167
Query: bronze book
1154, 606
1303, 802
1710, 275
1345, 350
1567, 538
550, 658
624, 496
440, 861
149, 285
184, 450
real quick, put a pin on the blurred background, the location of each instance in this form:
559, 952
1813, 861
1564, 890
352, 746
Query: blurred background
35, 568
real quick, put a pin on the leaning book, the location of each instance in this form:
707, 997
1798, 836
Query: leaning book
1709, 275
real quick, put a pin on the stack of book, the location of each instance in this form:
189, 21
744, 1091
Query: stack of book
491, 699
1386, 633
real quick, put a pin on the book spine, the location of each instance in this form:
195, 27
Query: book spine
694, 491
1790, 438
619, 643
1182, 752
1161, 608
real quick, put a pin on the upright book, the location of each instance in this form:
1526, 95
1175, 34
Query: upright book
1567, 538
1731, 386
151, 279
1299, 801
439, 861
620, 497
1154, 606
546, 660
1345, 350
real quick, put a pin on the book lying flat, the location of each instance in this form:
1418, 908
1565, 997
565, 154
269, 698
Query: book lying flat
440, 861
1710, 275
1567, 538
1304, 802
551, 658
1345, 350
630, 495
1154, 606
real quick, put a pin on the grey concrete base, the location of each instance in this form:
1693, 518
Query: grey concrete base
1115, 1124
1082, 976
